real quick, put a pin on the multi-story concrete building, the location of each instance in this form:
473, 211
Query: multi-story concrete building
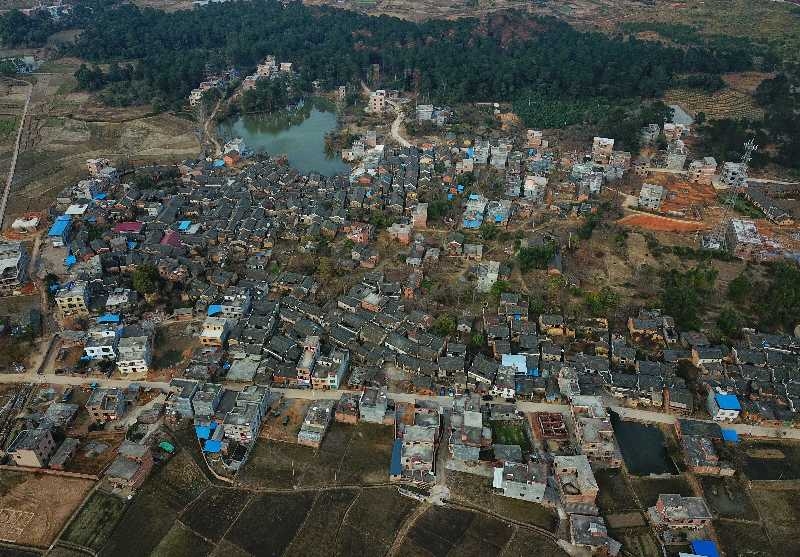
594, 431
72, 299
377, 101
602, 147
651, 196
733, 175
575, 480
215, 331
32, 447
701, 171
742, 239
206, 400
134, 354
13, 265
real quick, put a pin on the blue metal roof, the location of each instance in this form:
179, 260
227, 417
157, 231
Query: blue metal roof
100, 196
109, 318
395, 469
517, 361
212, 446
202, 431
60, 227
70, 260
184, 225
214, 309
706, 548
730, 435
727, 402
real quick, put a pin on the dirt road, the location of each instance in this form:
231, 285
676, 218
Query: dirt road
12, 167
398, 121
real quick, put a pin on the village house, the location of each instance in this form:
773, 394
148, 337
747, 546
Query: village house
575, 480
316, 422
675, 511
32, 448
517, 480
106, 405
131, 468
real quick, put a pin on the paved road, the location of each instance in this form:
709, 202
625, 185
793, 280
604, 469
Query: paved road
309, 394
12, 167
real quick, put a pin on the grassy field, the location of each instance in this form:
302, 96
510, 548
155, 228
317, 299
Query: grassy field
744, 538
648, 489
94, 523
615, 496
728, 498
638, 541
182, 542
781, 515
510, 433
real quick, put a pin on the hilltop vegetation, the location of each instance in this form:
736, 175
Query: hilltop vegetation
452, 61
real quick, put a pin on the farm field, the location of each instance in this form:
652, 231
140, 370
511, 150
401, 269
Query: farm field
648, 489
65, 127
179, 512
476, 491
349, 455
726, 103
26, 510
94, 523
770, 460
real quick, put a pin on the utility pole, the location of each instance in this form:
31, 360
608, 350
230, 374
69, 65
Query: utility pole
717, 237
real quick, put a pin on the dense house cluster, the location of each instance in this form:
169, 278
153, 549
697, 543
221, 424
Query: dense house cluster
211, 233
226, 421
47, 442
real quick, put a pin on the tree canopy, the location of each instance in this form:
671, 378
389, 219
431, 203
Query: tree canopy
451, 61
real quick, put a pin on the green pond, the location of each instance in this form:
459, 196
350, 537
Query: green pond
299, 134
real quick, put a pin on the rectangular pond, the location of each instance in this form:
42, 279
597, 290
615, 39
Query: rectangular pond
643, 447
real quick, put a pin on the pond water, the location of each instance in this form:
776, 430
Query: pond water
643, 447
299, 134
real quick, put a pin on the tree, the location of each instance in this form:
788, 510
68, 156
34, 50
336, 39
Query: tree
779, 304
444, 325
740, 289
602, 302
489, 231
730, 323
145, 279
685, 295
536, 257
498, 288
